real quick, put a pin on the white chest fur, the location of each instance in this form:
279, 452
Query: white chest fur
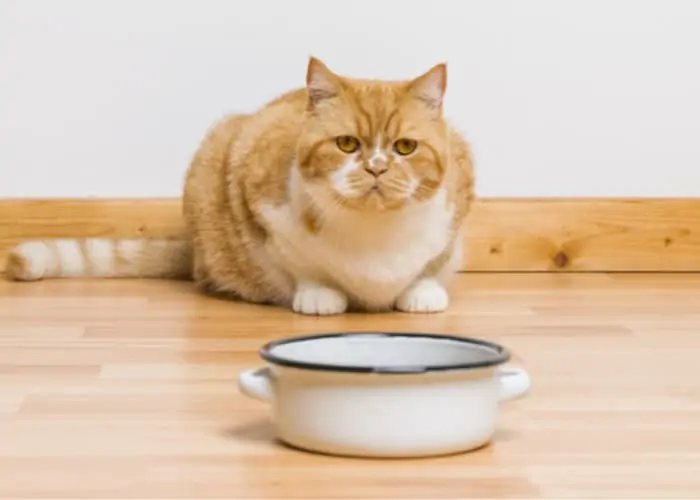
372, 257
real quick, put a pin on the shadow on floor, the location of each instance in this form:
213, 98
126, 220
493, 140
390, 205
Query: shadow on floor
257, 431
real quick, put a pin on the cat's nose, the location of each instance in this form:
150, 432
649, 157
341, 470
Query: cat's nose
376, 168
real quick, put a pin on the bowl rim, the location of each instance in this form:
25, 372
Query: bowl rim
500, 354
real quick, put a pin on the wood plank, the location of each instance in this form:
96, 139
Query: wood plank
504, 235
603, 235
144, 403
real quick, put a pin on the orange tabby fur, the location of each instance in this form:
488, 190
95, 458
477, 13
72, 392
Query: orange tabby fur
277, 213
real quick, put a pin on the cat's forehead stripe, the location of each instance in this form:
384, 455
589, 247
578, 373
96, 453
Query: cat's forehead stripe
377, 112
396, 120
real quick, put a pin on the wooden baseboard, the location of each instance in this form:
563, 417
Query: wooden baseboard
504, 235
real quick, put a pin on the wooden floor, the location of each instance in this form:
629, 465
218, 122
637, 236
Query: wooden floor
128, 390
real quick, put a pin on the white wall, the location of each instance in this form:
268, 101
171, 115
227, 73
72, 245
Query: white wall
559, 97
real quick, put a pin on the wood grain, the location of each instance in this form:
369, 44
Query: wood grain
127, 389
504, 235
594, 235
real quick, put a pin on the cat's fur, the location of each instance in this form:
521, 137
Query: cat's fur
278, 214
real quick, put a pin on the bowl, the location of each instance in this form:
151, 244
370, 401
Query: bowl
368, 394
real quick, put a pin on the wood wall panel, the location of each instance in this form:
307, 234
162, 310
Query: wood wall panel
512, 235
585, 235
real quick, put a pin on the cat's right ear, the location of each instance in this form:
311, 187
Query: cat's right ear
430, 87
321, 82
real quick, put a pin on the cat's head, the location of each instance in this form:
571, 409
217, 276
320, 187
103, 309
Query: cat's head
373, 145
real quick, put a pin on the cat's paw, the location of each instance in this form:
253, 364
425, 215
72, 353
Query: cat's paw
424, 296
318, 300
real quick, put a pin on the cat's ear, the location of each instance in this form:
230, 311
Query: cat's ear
430, 86
321, 82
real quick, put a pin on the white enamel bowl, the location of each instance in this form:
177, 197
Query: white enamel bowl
384, 394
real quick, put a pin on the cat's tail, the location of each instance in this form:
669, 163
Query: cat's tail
100, 258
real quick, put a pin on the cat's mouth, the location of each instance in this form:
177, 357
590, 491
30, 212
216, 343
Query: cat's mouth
375, 190
375, 198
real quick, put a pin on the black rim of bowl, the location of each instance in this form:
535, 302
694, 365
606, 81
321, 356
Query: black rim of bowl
500, 354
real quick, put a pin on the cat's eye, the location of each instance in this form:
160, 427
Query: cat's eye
348, 143
405, 146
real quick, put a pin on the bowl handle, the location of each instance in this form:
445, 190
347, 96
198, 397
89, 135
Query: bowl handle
514, 383
256, 384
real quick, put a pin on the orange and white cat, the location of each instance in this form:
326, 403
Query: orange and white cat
346, 193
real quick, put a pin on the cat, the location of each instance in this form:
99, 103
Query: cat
344, 194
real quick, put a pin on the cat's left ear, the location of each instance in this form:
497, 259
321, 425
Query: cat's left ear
321, 82
430, 87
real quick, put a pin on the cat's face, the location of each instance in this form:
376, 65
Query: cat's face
373, 145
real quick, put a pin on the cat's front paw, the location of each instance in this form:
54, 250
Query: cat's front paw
424, 296
318, 300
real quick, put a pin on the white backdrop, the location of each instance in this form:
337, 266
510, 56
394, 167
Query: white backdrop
109, 98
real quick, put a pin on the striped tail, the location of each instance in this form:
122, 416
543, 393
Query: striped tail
100, 258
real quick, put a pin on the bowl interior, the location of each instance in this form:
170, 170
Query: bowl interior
384, 352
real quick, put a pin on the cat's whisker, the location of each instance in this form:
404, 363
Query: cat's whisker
399, 185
